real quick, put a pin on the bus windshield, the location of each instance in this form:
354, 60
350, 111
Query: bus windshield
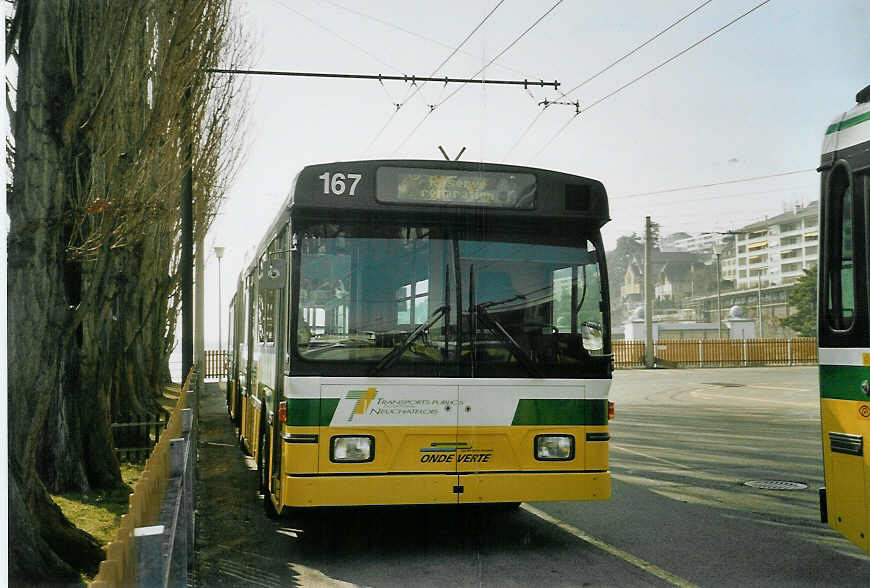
415, 294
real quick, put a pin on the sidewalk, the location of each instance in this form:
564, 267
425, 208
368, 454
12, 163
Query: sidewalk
230, 523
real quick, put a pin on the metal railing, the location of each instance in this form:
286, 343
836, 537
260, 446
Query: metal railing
674, 353
214, 364
136, 436
689, 353
155, 541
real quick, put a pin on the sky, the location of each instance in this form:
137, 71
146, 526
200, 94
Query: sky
751, 100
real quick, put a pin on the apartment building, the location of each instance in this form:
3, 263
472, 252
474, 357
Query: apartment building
778, 249
703, 243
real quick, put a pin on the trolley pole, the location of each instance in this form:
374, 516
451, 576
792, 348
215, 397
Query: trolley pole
649, 355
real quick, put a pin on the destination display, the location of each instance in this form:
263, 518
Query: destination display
456, 188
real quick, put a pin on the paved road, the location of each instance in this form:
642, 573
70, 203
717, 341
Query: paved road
684, 444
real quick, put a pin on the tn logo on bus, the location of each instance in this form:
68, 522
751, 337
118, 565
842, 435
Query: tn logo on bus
363, 400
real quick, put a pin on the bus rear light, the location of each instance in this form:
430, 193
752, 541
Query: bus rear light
282, 411
611, 411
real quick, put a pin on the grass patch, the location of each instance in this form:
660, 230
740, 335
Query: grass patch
99, 513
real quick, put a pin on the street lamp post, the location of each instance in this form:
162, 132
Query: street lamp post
219, 253
760, 327
718, 291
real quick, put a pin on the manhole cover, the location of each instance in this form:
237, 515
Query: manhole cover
725, 384
776, 485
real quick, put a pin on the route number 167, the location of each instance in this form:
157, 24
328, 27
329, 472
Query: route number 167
339, 184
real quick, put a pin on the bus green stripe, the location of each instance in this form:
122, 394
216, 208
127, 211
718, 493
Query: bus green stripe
849, 122
843, 382
560, 412
310, 412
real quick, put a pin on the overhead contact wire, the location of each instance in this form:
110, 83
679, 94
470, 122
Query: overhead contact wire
416, 34
648, 72
726, 182
437, 69
338, 36
635, 50
589, 79
478, 72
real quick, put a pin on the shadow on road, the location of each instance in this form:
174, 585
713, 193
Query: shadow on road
237, 545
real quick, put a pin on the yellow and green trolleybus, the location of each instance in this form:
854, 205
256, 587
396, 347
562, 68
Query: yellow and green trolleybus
423, 332
844, 322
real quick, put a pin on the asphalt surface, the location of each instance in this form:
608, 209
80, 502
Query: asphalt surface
684, 444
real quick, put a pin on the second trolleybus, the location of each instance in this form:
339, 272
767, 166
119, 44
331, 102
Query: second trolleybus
844, 322
419, 332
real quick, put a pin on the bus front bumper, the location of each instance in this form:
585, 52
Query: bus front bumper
395, 489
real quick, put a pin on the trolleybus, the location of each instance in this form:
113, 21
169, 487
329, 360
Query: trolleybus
423, 332
844, 322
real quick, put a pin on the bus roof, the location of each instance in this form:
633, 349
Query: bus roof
361, 186
850, 128
326, 188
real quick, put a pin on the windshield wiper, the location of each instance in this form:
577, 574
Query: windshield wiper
478, 313
496, 327
394, 354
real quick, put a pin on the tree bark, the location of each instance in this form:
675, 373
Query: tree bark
93, 242
43, 545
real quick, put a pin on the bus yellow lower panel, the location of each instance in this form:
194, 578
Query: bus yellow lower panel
301, 491
538, 487
847, 475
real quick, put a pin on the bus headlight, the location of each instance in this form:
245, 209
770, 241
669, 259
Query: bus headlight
352, 449
554, 447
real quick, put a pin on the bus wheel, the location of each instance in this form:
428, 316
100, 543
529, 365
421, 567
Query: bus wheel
268, 507
242, 445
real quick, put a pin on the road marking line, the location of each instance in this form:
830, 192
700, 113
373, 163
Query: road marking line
673, 463
778, 388
623, 555
709, 396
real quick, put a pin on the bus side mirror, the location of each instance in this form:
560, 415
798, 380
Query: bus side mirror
273, 275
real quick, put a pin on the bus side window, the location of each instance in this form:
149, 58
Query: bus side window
840, 277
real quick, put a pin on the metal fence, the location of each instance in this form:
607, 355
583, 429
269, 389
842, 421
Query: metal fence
673, 353
214, 364
136, 436
154, 544
719, 352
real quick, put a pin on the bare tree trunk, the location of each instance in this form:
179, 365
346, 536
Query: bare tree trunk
43, 545
93, 242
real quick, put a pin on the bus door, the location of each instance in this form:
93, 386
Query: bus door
230, 362
277, 280
246, 363
844, 355
502, 294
